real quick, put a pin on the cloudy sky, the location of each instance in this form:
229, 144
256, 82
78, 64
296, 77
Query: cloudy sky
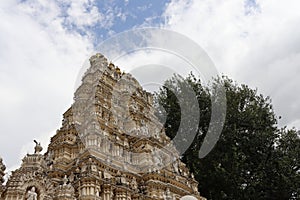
43, 45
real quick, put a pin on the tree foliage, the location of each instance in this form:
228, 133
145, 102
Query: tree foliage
253, 158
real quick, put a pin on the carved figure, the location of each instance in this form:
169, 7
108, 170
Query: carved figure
31, 194
38, 148
124, 180
65, 180
134, 184
106, 174
168, 194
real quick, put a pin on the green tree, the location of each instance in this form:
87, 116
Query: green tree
252, 159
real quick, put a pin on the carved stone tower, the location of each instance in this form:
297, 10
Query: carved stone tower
110, 147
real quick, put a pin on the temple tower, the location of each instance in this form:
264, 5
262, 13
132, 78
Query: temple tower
110, 146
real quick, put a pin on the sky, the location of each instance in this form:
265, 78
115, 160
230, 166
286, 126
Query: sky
43, 45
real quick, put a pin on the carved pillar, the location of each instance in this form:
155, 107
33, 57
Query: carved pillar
107, 192
90, 191
122, 194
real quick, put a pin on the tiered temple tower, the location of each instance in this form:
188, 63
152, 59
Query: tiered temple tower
111, 146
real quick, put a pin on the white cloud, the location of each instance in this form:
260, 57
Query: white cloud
84, 13
260, 48
39, 61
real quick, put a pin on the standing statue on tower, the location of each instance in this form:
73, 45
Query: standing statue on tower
38, 148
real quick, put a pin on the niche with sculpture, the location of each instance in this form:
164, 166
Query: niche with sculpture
32, 193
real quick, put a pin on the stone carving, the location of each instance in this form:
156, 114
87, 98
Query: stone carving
144, 129
195, 188
31, 194
65, 180
100, 174
156, 157
104, 160
49, 159
168, 194
106, 174
134, 184
72, 177
38, 148
192, 176
175, 166
124, 180
118, 178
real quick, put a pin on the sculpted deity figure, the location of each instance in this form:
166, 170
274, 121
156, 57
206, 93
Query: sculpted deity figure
195, 188
124, 180
134, 184
31, 194
175, 166
168, 195
65, 180
156, 157
106, 174
118, 178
